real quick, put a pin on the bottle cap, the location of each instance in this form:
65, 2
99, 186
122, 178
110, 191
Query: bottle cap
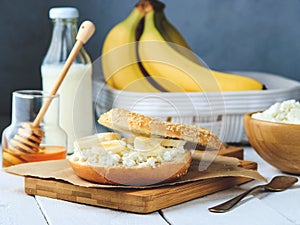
63, 13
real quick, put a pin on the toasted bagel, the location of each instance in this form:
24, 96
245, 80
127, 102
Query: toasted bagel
141, 125
113, 162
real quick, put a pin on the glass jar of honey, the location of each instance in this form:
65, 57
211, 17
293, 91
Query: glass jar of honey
21, 141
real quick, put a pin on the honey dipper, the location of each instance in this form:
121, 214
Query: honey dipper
29, 136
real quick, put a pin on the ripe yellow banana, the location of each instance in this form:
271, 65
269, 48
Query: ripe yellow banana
161, 60
119, 57
171, 35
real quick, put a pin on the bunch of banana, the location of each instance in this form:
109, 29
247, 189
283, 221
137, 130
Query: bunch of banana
146, 53
119, 56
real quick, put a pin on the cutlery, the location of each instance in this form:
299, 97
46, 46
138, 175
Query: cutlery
278, 183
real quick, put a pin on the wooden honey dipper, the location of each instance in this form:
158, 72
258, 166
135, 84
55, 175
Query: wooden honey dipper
29, 136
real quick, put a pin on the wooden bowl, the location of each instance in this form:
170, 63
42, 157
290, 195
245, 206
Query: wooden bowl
277, 143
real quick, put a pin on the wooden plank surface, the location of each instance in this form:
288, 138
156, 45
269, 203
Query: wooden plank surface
133, 200
68, 213
15, 206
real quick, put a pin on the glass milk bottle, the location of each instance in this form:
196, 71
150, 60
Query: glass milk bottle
76, 107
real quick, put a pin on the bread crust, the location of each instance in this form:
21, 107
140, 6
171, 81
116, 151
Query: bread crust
121, 175
127, 121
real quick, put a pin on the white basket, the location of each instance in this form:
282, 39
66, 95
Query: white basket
220, 112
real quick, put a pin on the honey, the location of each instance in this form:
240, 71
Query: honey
45, 153
21, 141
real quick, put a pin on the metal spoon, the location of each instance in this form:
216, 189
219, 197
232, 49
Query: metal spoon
278, 183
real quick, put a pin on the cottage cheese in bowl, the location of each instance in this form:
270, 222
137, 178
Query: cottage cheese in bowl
284, 112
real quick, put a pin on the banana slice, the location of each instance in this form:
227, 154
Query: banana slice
114, 146
129, 140
95, 140
146, 144
108, 136
172, 143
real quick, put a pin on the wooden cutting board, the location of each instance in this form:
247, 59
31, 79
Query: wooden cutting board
137, 200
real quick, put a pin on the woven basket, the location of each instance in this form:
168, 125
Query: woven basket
220, 112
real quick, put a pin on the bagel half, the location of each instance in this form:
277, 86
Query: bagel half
116, 162
121, 175
137, 124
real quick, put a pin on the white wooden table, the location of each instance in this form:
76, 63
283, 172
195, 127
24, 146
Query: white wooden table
280, 208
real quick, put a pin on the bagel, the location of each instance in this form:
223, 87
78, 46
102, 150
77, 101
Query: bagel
123, 162
141, 125
154, 154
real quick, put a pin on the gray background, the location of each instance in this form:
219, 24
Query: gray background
256, 35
